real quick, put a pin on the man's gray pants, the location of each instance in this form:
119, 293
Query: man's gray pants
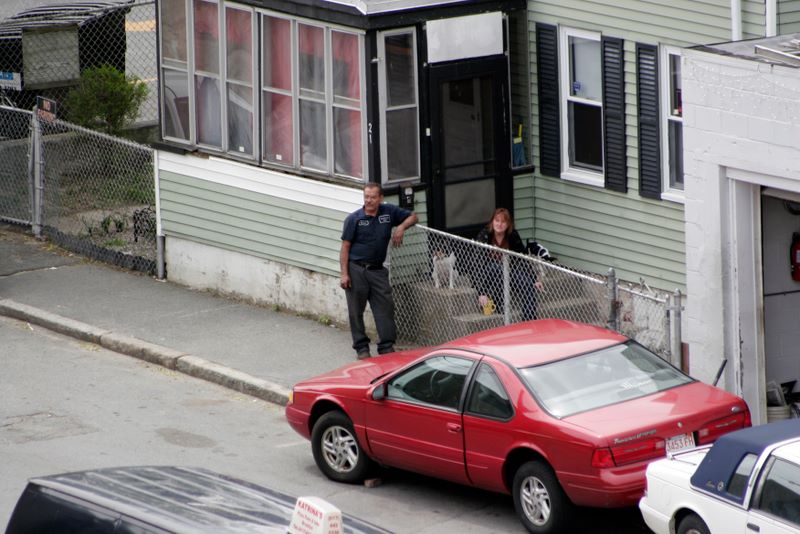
371, 285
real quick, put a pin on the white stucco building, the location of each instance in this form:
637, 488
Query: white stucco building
742, 185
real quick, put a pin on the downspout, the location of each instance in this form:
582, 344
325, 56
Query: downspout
161, 264
736, 20
772, 18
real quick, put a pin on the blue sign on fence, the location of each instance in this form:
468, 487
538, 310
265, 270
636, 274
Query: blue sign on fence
10, 80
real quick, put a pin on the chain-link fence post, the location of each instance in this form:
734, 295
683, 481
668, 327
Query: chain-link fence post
37, 174
675, 308
612, 295
506, 290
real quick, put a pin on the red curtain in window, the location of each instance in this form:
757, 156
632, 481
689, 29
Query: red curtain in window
206, 35
345, 56
279, 63
238, 28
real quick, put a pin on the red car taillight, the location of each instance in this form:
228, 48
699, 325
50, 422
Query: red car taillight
638, 451
628, 453
601, 458
711, 431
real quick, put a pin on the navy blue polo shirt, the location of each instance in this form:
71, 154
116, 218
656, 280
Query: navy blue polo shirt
369, 236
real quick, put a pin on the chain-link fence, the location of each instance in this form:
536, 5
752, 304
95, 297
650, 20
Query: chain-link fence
15, 192
44, 50
446, 287
89, 192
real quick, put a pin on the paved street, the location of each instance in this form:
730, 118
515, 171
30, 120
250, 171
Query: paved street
70, 405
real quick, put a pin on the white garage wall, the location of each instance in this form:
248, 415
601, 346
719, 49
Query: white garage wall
741, 127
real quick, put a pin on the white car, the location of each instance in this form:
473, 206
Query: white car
748, 481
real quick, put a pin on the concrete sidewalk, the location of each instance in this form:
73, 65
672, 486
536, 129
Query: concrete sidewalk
249, 348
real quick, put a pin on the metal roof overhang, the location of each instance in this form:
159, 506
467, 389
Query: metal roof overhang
57, 15
380, 14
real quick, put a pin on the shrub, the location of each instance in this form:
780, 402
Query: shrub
105, 99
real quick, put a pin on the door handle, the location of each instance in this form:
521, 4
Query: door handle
453, 427
753, 527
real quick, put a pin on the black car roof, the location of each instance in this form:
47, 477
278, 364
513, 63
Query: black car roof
718, 465
185, 499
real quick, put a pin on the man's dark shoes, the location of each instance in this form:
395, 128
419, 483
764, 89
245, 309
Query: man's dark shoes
387, 350
363, 354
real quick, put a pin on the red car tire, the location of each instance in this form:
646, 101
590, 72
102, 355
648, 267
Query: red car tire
540, 503
336, 449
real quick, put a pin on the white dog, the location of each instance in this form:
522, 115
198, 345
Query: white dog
444, 268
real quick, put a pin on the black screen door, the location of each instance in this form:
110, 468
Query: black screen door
470, 144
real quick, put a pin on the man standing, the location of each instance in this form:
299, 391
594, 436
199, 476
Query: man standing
365, 239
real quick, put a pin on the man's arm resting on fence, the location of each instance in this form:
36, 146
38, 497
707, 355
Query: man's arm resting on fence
397, 237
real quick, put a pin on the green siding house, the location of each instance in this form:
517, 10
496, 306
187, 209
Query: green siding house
275, 112
607, 126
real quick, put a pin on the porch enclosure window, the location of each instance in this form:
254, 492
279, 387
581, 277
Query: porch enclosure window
308, 111
174, 71
673, 114
399, 110
276, 75
208, 106
583, 104
311, 63
240, 94
312, 97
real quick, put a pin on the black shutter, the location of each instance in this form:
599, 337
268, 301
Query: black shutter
649, 127
549, 114
615, 161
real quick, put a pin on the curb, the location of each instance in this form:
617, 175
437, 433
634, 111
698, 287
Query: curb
156, 354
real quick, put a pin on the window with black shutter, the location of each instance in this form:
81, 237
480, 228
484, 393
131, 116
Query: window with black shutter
647, 88
549, 122
614, 114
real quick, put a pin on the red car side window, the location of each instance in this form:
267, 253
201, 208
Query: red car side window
437, 381
488, 397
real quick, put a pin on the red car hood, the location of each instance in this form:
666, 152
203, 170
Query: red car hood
361, 373
675, 411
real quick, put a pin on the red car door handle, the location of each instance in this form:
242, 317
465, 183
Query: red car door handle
453, 427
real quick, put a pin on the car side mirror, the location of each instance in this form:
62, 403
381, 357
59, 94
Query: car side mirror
378, 392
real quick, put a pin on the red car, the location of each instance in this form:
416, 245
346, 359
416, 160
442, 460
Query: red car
554, 412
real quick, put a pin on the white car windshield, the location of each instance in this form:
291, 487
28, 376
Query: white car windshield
601, 378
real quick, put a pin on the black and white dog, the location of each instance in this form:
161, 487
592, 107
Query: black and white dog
535, 249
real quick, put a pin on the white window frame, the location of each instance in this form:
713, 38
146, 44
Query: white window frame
667, 191
328, 98
332, 104
185, 68
570, 172
263, 88
220, 77
259, 89
253, 82
383, 103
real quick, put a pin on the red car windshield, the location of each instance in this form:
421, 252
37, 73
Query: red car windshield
601, 378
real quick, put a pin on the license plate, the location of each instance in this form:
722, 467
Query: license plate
679, 443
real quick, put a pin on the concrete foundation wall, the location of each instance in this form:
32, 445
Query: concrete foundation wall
255, 279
